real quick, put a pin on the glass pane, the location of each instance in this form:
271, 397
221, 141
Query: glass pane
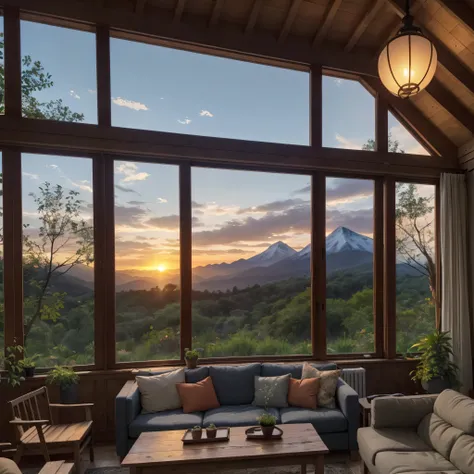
147, 274
2, 70
59, 73
58, 256
400, 140
183, 92
251, 263
416, 263
349, 264
348, 115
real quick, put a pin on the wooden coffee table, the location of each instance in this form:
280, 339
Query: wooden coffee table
163, 452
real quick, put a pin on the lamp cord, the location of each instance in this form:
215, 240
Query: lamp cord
407, 7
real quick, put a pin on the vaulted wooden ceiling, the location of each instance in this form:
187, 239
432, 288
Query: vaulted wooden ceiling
342, 35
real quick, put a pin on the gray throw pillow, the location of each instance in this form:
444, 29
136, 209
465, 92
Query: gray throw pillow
272, 391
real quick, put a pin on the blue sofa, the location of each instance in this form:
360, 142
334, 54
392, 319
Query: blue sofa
234, 387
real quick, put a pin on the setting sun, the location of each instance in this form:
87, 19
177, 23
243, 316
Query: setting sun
161, 268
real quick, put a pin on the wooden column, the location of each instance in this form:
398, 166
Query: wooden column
439, 274
104, 111
316, 106
318, 265
378, 268
390, 273
12, 247
12, 62
185, 235
381, 124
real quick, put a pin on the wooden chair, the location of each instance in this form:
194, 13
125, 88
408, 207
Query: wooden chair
37, 434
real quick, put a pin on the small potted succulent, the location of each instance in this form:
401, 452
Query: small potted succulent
191, 356
211, 431
196, 432
67, 380
28, 365
267, 423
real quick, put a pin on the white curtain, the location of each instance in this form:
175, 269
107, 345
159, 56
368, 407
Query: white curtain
455, 315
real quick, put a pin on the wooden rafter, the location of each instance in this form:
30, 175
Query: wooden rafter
140, 6
451, 103
257, 5
461, 10
327, 22
290, 18
216, 12
363, 24
178, 11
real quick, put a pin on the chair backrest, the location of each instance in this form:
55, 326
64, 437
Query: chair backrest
31, 406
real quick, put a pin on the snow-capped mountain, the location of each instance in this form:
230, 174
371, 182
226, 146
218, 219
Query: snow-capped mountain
275, 253
343, 239
302, 254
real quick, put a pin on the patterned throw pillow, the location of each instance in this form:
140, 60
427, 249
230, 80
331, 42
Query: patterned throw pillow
327, 384
271, 391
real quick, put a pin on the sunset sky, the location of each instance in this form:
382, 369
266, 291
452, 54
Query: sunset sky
235, 213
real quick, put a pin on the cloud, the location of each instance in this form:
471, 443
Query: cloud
130, 171
361, 220
347, 143
92, 91
136, 203
130, 216
197, 205
305, 190
83, 185
74, 94
275, 206
170, 222
162, 200
343, 190
213, 209
126, 190
130, 104
186, 121
135, 245
406, 141
221, 252
55, 167
30, 175
338, 81
205, 113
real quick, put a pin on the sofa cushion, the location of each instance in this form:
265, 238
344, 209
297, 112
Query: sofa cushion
196, 375
325, 420
271, 391
371, 442
462, 454
273, 370
328, 383
234, 385
395, 462
456, 409
438, 434
303, 393
7, 466
166, 420
236, 415
199, 396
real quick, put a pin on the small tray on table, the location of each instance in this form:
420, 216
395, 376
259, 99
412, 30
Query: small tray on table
221, 435
255, 432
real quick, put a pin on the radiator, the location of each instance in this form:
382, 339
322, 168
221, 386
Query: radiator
356, 379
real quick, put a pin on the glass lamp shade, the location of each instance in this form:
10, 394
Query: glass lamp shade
407, 64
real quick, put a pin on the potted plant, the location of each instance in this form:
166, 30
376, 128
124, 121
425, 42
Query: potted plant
196, 432
436, 371
267, 423
67, 380
191, 356
28, 364
12, 364
211, 431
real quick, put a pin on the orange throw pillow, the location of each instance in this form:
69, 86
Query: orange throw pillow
303, 393
199, 396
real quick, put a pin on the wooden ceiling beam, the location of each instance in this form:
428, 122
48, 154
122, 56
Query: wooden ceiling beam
216, 12
451, 103
327, 22
140, 6
290, 18
178, 11
429, 135
369, 15
447, 58
461, 10
257, 5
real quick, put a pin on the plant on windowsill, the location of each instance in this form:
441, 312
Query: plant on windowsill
68, 382
211, 431
436, 371
196, 432
28, 365
12, 364
191, 356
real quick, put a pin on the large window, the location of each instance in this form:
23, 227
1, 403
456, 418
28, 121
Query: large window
349, 265
251, 263
58, 73
147, 273
416, 263
400, 140
58, 256
2, 306
183, 92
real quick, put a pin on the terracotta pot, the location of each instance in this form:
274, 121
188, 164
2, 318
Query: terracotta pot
191, 363
211, 433
197, 434
267, 431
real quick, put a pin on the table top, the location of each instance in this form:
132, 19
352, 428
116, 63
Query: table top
166, 447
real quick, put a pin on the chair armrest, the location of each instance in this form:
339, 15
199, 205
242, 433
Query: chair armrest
87, 408
348, 401
401, 412
57, 467
127, 408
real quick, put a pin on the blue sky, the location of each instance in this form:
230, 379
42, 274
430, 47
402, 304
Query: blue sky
162, 89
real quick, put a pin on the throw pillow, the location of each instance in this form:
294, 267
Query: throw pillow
199, 396
327, 384
272, 391
159, 393
303, 393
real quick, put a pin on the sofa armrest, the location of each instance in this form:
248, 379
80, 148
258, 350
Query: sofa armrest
401, 412
127, 408
348, 401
